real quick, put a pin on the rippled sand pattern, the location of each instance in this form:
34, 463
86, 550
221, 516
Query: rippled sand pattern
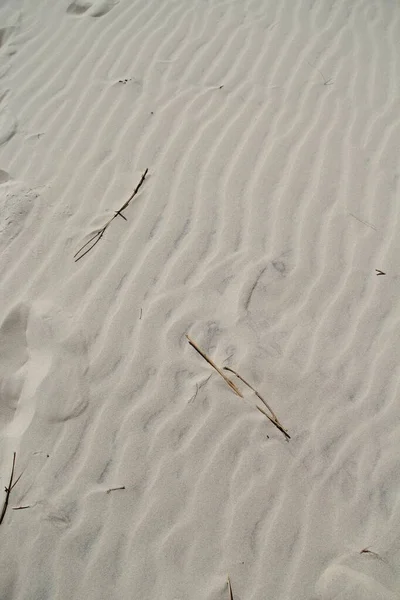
271, 133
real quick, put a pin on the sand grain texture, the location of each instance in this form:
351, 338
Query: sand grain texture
270, 131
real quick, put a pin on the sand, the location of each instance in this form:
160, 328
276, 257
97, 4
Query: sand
270, 131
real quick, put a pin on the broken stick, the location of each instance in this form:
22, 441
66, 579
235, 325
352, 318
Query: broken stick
273, 418
212, 363
230, 589
8, 489
370, 552
97, 236
121, 487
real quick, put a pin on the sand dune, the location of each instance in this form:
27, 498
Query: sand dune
270, 134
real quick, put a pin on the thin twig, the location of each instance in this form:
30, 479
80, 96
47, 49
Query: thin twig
135, 191
16, 481
8, 489
285, 433
273, 418
254, 390
212, 363
364, 222
98, 235
22, 507
370, 552
121, 487
118, 213
326, 81
230, 589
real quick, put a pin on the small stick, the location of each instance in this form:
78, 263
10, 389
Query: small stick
230, 589
121, 487
254, 390
97, 237
15, 482
212, 363
135, 191
326, 81
118, 212
8, 489
285, 433
364, 222
21, 507
368, 551
274, 419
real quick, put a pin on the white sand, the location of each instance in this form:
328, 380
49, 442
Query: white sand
270, 129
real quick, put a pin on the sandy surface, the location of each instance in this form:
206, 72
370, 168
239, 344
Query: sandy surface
270, 130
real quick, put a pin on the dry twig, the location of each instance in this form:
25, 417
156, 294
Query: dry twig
370, 552
97, 236
121, 487
230, 589
364, 222
212, 363
326, 81
8, 489
273, 418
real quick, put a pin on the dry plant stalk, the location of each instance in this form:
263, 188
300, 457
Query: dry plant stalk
212, 363
121, 487
97, 236
273, 418
230, 589
370, 552
8, 489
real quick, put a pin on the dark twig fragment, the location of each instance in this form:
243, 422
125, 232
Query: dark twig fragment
212, 363
121, 487
97, 236
8, 489
370, 552
326, 81
363, 222
273, 418
230, 589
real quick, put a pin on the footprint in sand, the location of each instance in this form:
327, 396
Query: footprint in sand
5, 34
42, 370
93, 9
12, 365
8, 126
16, 204
8, 45
4, 176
